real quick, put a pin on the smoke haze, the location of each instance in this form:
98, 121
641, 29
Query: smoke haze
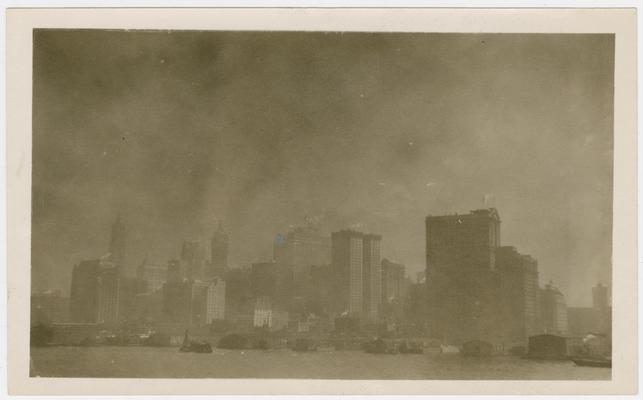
176, 130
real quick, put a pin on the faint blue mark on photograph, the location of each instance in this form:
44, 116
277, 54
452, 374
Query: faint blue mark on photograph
280, 239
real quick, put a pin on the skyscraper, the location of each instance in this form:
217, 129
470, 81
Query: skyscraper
347, 254
599, 297
215, 301
602, 309
84, 291
393, 281
372, 275
519, 293
299, 250
207, 301
151, 276
177, 302
108, 294
356, 264
174, 273
95, 292
596, 319
192, 257
117, 242
128, 288
218, 253
553, 310
461, 276
302, 246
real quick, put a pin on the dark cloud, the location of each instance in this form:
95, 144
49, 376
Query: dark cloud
261, 129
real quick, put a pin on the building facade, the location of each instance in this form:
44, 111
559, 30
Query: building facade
356, 264
268, 316
553, 311
596, 319
94, 292
84, 289
302, 246
177, 302
519, 290
192, 259
372, 276
393, 281
461, 276
299, 250
215, 302
218, 265
152, 276
109, 288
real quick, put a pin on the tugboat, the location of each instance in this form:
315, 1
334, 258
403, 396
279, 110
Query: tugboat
193, 346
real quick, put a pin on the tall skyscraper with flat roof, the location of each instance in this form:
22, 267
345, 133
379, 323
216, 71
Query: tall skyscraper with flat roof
553, 311
461, 276
347, 254
372, 275
299, 250
519, 292
108, 294
356, 263
95, 292
84, 291
302, 246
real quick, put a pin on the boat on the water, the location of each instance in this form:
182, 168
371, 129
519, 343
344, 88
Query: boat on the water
379, 346
592, 362
194, 346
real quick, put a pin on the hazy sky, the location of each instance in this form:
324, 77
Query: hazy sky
176, 130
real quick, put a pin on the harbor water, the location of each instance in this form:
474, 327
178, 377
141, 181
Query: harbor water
168, 362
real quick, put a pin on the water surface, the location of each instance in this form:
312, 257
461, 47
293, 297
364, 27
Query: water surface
168, 362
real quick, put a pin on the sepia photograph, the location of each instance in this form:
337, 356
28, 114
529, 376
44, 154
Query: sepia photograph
321, 204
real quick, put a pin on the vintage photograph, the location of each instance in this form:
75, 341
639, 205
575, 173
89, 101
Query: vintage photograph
321, 205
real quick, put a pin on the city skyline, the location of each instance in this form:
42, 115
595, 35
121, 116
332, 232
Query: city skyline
206, 263
374, 131
475, 289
